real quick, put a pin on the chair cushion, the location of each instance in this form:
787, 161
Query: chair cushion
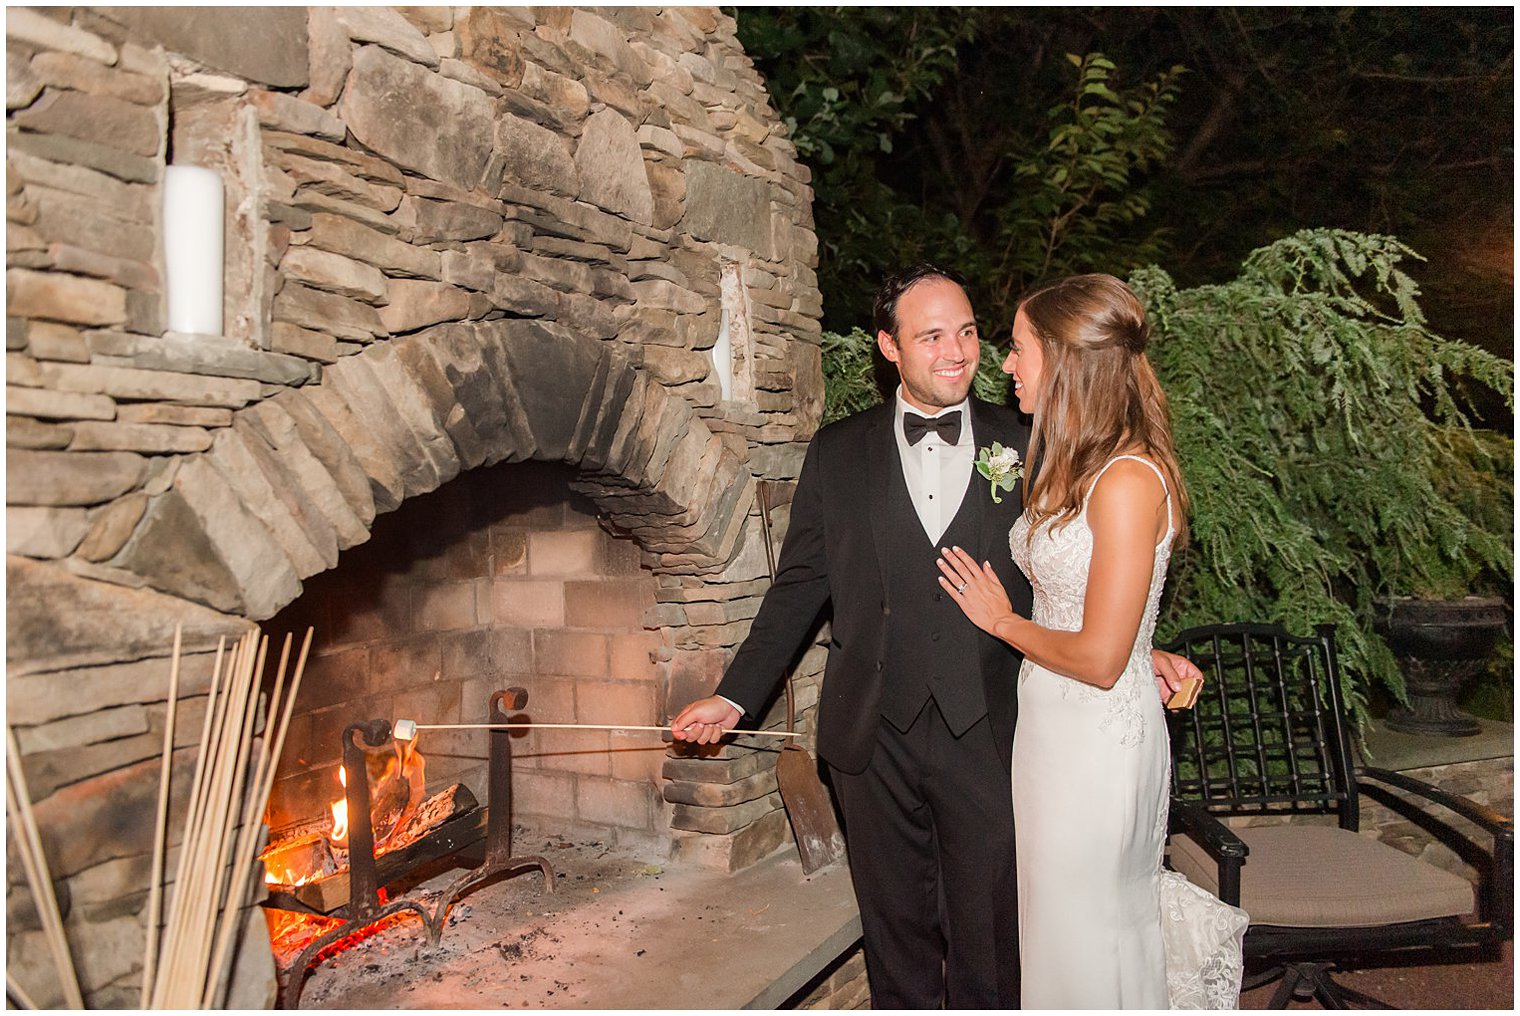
1301, 876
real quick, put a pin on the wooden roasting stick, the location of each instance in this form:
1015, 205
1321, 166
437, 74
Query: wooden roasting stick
170, 963
406, 730
34, 862
156, 879
18, 993
178, 962
229, 815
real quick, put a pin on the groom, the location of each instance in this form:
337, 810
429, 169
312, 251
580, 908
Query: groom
917, 708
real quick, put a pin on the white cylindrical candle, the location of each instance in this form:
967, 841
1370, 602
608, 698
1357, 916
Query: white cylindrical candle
723, 359
193, 257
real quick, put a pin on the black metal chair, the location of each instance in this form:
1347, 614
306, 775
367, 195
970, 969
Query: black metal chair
1269, 737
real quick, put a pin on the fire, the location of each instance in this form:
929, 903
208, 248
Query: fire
303, 859
339, 834
397, 783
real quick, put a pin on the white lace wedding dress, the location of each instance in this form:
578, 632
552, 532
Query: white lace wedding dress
1101, 923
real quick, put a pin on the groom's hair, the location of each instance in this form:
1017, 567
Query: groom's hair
884, 311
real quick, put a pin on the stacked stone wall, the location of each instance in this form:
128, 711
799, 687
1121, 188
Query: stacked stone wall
844, 985
455, 237
1489, 782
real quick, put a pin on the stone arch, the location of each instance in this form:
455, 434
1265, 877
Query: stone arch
300, 476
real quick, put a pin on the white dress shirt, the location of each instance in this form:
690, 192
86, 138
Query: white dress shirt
936, 473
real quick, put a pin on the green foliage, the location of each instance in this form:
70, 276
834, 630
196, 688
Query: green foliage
1036, 190
853, 378
929, 134
1082, 192
853, 76
848, 83
1322, 432
1324, 426
1492, 695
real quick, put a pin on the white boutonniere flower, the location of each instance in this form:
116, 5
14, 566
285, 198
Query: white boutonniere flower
1001, 466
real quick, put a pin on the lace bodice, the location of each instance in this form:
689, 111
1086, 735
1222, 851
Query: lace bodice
1057, 562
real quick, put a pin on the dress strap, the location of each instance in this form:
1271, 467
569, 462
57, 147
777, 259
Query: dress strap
1154, 468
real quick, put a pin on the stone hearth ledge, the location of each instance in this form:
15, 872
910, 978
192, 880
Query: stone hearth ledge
750, 940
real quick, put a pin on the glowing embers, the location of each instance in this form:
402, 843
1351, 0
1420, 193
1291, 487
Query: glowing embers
291, 932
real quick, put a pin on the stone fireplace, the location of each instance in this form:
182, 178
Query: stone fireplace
518, 310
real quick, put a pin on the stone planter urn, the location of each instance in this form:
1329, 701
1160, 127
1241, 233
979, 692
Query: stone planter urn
1440, 645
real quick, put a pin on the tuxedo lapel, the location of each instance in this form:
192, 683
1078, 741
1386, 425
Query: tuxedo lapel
881, 459
996, 519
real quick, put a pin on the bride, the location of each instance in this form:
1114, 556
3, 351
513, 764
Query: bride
1101, 923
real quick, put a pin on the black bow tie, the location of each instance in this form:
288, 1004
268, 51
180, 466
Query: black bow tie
948, 427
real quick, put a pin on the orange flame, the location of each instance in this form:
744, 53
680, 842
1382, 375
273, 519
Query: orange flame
400, 782
339, 834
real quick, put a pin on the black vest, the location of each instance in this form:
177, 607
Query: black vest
931, 648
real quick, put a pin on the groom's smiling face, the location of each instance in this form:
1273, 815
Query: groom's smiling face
936, 347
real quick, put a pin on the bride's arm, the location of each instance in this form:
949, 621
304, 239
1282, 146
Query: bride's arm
1127, 515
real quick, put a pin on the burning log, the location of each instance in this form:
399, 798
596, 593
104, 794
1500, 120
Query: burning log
435, 811
299, 859
397, 788
307, 872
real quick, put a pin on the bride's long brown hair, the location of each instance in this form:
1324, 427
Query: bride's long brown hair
1098, 396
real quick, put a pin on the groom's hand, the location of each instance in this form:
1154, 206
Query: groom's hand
705, 720
1171, 670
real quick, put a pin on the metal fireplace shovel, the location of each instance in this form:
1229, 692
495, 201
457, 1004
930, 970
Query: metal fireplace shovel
819, 841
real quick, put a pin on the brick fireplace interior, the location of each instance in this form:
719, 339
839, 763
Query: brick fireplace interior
501, 578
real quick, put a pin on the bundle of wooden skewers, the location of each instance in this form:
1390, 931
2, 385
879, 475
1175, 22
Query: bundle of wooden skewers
188, 952
185, 966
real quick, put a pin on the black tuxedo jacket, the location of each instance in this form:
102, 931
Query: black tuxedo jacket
836, 549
